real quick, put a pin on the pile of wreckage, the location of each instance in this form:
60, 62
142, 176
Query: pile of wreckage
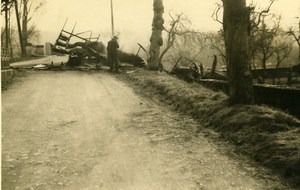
196, 71
89, 50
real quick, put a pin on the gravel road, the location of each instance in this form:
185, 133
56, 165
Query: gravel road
88, 130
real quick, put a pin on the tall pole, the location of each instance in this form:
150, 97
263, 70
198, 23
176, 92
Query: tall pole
6, 25
112, 18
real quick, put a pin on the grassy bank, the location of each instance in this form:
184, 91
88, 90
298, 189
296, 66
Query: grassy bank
267, 135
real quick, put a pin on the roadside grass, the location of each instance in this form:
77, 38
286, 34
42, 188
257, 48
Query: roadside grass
269, 136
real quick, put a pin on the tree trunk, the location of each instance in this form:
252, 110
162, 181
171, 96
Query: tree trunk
161, 67
156, 37
19, 29
298, 41
236, 19
264, 67
299, 49
25, 22
214, 66
6, 26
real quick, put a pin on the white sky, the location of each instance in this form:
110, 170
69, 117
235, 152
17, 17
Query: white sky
133, 18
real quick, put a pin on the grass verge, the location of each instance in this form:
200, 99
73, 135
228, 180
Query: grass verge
267, 135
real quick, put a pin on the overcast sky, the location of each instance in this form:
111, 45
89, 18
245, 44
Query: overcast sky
133, 18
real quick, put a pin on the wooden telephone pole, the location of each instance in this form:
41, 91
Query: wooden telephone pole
112, 18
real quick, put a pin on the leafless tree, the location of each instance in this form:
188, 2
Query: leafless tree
296, 35
255, 24
189, 46
257, 18
179, 26
265, 37
6, 6
156, 40
283, 47
271, 42
236, 21
29, 9
216, 42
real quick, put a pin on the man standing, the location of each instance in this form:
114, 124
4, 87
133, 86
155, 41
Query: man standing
112, 54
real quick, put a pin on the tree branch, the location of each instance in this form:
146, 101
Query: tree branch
258, 15
215, 15
292, 32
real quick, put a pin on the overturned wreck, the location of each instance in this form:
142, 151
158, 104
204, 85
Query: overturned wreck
88, 49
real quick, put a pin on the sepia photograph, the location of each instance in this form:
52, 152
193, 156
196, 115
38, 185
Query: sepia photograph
150, 95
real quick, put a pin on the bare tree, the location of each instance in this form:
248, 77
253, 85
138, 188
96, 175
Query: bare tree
283, 47
10, 32
6, 33
296, 34
179, 26
188, 49
236, 21
156, 40
195, 43
29, 9
6, 5
256, 19
271, 42
264, 42
216, 42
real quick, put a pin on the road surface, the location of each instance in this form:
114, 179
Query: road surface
76, 130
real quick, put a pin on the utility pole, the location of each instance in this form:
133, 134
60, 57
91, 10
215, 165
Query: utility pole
112, 18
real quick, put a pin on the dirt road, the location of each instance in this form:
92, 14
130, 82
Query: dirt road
77, 130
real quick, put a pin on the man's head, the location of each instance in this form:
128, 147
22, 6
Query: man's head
115, 37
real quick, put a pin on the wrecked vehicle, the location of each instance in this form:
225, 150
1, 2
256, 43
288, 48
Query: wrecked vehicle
89, 49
